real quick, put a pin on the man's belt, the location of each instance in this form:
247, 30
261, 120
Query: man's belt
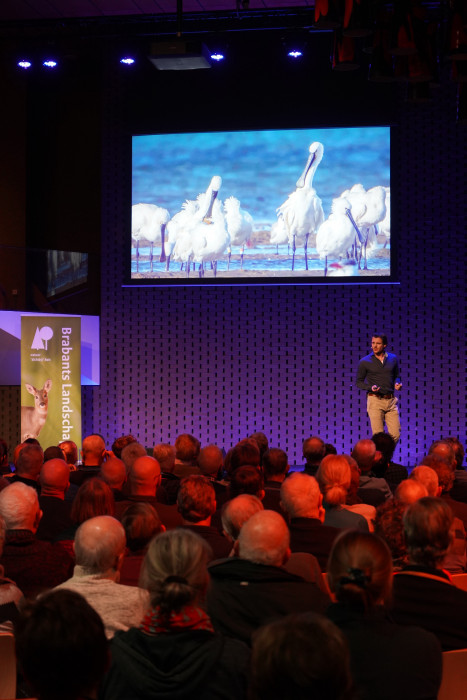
381, 396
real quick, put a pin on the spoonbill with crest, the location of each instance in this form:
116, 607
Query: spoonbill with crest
239, 225
148, 222
302, 211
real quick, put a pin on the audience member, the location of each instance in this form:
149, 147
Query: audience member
301, 501
28, 466
423, 593
94, 453
121, 442
53, 452
70, 450
196, 503
275, 469
245, 452
409, 491
388, 660
99, 550
236, 512
113, 472
329, 449
164, 453
141, 523
353, 501
10, 595
300, 657
33, 564
61, 647
385, 467
130, 453
5, 466
314, 450
246, 479
445, 471
333, 477
372, 490
389, 527
252, 588
459, 489
174, 652
186, 455
56, 512
262, 442
144, 479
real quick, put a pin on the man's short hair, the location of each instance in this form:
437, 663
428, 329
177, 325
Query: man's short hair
382, 337
364, 454
165, 455
93, 446
141, 523
262, 442
444, 449
30, 461
314, 450
121, 442
246, 479
264, 539
385, 444
98, 544
300, 656
130, 453
187, 448
18, 505
237, 511
61, 646
442, 469
210, 460
427, 528
53, 452
459, 451
428, 477
388, 526
300, 495
113, 472
70, 450
275, 462
94, 498
410, 490
196, 499
245, 452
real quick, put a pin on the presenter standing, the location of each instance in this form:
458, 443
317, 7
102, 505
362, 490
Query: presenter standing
378, 375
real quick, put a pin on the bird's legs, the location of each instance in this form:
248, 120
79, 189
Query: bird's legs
230, 255
242, 251
293, 252
137, 256
214, 267
326, 266
306, 249
167, 263
151, 254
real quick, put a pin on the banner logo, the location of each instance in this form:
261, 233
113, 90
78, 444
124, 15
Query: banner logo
41, 338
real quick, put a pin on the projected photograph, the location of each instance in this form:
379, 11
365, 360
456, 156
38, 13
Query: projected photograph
257, 206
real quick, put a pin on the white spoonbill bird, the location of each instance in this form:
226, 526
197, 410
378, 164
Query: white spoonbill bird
336, 235
239, 225
302, 211
148, 222
385, 224
368, 208
204, 237
179, 223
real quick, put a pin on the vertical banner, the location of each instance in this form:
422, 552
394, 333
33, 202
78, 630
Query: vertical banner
51, 379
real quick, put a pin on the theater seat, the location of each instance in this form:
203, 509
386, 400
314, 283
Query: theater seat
454, 682
7, 666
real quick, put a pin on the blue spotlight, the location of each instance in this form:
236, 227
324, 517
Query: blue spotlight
127, 60
295, 53
24, 64
217, 56
50, 63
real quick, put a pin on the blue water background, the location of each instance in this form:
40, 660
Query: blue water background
260, 168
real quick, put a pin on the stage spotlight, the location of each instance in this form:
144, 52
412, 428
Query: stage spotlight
24, 64
295, 53
127, 61
217, 56
50, 63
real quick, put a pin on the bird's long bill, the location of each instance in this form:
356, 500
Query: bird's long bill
349, 214
162, 257
301, 180
207, 218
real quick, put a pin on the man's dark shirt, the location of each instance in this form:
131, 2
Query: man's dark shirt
384, 374
310, 535
55, 517
29, 482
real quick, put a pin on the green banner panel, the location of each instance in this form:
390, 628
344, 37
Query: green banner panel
51, 379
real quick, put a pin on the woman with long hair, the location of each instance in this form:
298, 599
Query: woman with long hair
175, 653
388, 661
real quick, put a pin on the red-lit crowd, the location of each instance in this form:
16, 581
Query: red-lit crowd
185, 572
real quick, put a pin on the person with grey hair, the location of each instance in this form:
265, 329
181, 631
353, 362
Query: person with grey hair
10, 595
175, 651
99, 550
423, 594
252, 588
28, 466
132, 452
164, 453
302, 503
113, 472
372, 489
237, 511
33, 564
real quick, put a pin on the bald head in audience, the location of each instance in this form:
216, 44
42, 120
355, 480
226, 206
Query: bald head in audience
100, 546
237, 511
264, 539
301, 497
210, 461
445, 450
113, 472
144, 476
314, 450
93, 450
409, 491
429, 478
55, 478
165, 455
365, 454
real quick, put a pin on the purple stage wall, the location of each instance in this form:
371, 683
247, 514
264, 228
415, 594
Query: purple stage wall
222, 362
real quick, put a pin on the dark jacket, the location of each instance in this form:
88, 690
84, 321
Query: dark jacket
387, 660
242, 596
310, 535
179, 665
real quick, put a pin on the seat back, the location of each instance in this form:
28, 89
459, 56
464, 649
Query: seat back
454, 681
460, 581
7, 666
